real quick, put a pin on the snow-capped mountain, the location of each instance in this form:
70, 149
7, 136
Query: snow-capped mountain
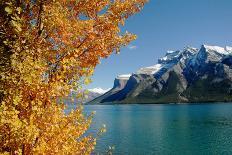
99, 90
93, 93
86, 94
188, 75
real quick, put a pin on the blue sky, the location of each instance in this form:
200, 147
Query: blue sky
167, 25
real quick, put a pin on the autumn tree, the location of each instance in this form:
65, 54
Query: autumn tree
47, 48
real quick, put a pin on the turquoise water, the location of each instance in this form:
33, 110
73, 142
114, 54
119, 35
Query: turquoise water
164, 129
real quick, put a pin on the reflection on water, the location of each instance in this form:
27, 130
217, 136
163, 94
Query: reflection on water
164, 129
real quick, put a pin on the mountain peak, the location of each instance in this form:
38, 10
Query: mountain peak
123, 76
218, 49
191, 49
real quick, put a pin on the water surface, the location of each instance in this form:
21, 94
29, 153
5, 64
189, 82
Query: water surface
164, 129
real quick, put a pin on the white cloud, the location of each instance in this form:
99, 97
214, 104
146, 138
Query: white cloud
132, 47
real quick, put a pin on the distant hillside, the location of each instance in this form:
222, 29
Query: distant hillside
188, 75
86, 95
94, 93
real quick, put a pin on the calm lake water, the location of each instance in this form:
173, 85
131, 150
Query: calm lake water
164, 129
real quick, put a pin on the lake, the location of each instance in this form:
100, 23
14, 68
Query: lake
164, 129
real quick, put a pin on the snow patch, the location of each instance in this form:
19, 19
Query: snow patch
150, 69
217, 49
170, 52
124, 76
164, 58
170, 56
229, 49
99, 90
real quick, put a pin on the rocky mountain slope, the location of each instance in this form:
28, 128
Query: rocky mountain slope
188, 75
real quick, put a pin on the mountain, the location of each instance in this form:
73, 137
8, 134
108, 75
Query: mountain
85, 95
99, 90
94, 93
188, 75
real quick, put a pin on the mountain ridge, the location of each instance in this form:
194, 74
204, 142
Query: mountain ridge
188, 75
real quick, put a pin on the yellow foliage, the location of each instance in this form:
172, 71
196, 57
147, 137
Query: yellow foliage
48, 48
